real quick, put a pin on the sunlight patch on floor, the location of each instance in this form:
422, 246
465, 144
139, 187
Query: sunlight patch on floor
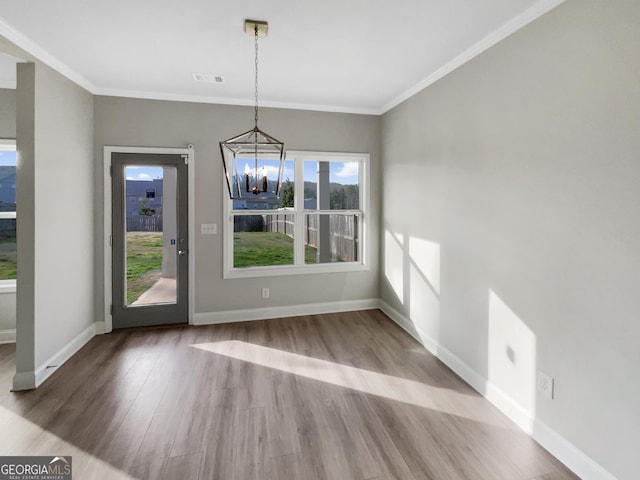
20, 437
387, 386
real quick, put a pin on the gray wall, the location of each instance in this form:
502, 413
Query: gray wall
135, 122
7, 113
7, 311
511, 220
7, 130
55, 211
64, 211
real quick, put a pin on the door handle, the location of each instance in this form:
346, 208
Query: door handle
183, 252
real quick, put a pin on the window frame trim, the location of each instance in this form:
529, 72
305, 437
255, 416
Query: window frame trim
298, 210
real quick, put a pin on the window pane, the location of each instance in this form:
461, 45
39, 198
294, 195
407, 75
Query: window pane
7, 181
263, 240
310, 185
333, 238
265, 200
345, 185
7, 204
7, 248
331, 185
322, 210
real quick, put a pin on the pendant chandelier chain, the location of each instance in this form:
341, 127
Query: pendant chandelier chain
253, 147
256, 107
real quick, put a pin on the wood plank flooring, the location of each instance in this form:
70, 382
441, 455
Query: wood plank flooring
337, 396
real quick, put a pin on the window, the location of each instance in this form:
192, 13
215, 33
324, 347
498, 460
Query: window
7, 214
317, 225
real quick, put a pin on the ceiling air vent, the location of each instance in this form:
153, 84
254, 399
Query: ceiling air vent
208, 78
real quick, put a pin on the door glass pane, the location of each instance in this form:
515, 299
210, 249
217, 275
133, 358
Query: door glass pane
151, 231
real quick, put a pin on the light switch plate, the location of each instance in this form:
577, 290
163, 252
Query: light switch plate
208, 228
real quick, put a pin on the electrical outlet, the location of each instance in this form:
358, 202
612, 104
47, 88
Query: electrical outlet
208, 228
545, 385
265, 293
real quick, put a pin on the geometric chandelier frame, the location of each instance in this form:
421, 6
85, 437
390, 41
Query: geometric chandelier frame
253, 161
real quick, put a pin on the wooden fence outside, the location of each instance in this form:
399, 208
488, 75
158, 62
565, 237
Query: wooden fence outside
144, 223
343, 236
343, 232
281, 223
8, 228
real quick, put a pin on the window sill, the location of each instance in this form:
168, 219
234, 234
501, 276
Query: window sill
284, 270
8, 286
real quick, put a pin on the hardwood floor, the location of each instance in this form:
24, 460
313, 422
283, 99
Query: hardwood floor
339, 396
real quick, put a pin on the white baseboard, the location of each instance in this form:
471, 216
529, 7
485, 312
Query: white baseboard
408, 326
8, 336
24, 381
99, 328
31, 380
45, 370
212, 318
574, 458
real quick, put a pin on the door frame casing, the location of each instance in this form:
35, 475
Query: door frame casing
107, 240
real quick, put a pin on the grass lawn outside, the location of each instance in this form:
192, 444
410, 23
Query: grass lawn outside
253, 249
144, 262
7, 259
144, 256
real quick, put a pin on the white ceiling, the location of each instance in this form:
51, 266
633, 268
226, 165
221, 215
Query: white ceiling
361, 56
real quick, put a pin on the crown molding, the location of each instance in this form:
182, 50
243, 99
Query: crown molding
529, 15
512, 26
175, 97
44, 56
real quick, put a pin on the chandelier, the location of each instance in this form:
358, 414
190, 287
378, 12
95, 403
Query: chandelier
253, 161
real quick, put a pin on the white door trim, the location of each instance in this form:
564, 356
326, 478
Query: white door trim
108, 150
